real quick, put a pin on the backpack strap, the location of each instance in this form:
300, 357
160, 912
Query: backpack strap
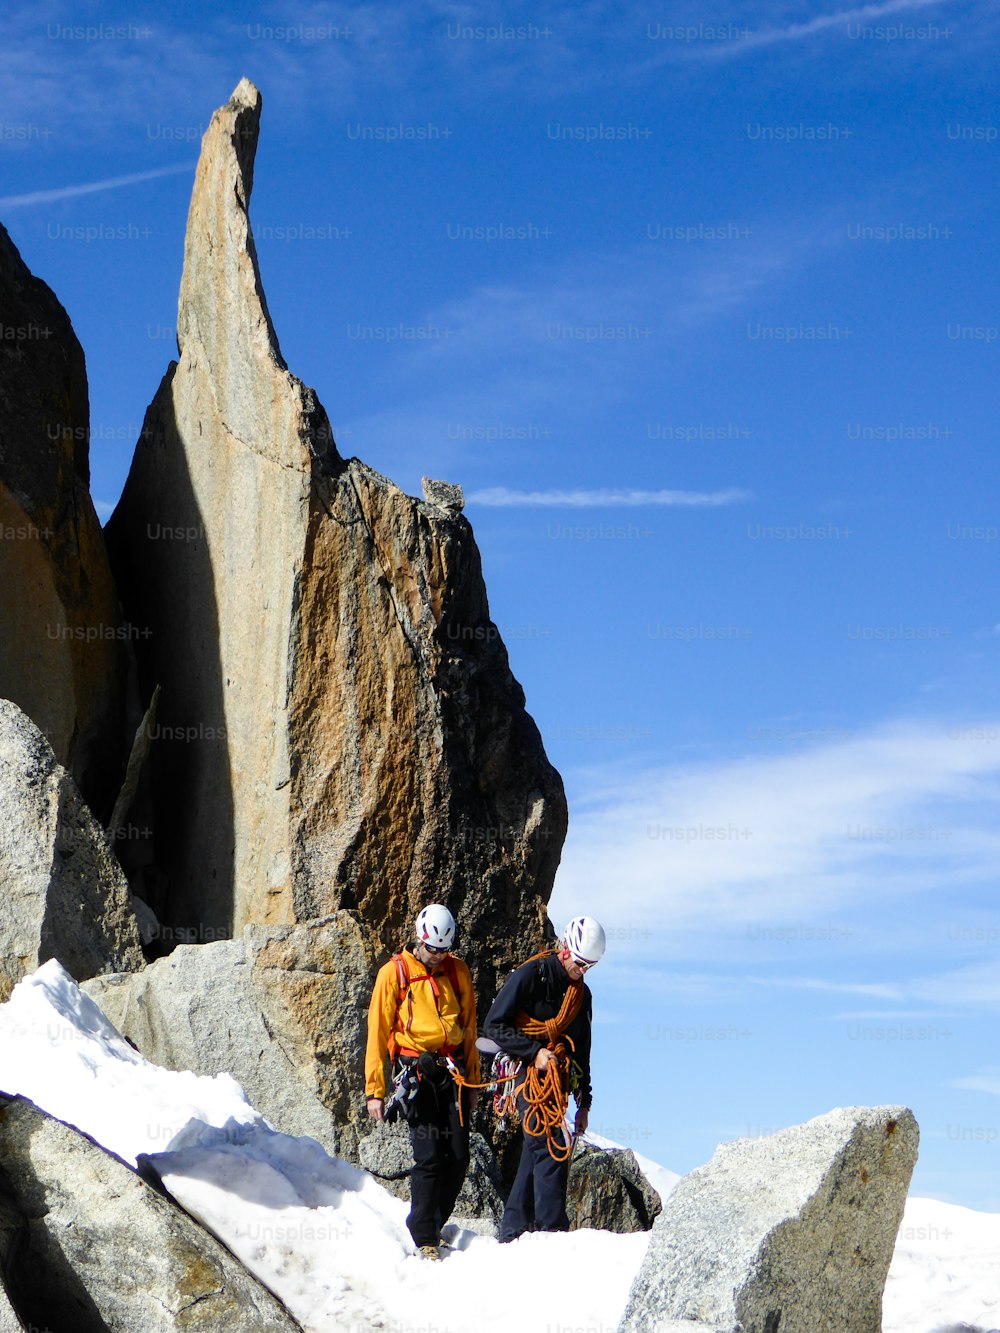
403, 983
451, 972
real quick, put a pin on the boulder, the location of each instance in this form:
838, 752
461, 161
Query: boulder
64, 895
338, 725
63, 650
283, 1010
9, 1322
792, 1233
101, 1250
607, 1191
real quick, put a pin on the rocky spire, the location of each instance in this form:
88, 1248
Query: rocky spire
338, 723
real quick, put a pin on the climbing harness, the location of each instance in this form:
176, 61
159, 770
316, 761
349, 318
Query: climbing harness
405, 1087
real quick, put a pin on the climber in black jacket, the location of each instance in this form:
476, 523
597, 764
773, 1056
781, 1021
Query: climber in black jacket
535, 994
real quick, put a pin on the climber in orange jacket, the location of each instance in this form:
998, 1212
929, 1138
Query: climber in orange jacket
423, 1015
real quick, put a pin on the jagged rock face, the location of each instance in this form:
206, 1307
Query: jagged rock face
62, 648
339, 726
783, 1234
608, 1192
420, 777
101, 1249
283, 1010
64, 893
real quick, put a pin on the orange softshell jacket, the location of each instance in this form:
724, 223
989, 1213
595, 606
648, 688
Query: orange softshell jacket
431, 1017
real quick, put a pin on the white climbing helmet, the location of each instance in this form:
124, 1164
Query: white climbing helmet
585, 939
436, 926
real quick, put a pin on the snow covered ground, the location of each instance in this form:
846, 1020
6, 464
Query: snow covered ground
332, 1243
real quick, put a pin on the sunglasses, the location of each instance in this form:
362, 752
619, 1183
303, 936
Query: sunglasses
432, 948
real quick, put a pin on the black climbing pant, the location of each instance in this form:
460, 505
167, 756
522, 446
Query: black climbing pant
537, 1200
440, 1146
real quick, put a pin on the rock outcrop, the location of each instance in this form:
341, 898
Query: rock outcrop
608, 1192
13, 1229
283, 1010
102, 1250
9, 1322
792, 1233
338, 726
64, 895
62, 646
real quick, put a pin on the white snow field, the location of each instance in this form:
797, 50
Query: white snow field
331, 1242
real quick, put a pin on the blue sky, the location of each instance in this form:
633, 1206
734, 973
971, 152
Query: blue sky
700, 305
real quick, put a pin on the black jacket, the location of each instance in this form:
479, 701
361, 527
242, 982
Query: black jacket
537, 989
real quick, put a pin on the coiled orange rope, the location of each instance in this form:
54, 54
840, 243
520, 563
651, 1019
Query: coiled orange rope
546, 1092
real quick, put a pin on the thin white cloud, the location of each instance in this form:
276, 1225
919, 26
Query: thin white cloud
987, 1080
819, 835
504, 497
874, 990
92, 187
882, 1015
976, 986
823, 23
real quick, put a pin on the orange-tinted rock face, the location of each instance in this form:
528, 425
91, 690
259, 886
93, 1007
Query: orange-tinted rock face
338, 724
62, 648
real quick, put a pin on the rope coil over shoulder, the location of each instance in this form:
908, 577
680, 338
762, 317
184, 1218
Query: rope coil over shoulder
546, 1093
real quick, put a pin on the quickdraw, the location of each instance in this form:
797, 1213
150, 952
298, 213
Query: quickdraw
504, 1074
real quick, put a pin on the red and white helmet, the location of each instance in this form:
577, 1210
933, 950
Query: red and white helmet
585, 939
436, 926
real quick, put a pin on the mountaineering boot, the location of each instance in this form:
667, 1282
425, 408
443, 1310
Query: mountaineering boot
429, 1252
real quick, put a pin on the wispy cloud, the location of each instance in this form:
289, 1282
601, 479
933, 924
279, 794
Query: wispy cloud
874, 990
987, 1080
550, 352
853, 827
840, 21
504, 497
976, 985
92, 187
823, 23
147, 78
